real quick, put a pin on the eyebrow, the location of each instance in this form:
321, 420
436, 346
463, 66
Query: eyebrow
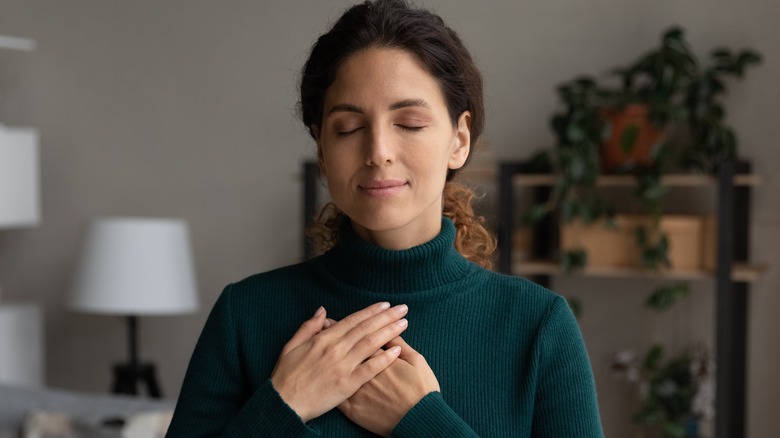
347, 107
409, 102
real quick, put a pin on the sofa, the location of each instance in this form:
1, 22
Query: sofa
53, 413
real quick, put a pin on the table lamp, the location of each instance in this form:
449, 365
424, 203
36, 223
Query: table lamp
134, 267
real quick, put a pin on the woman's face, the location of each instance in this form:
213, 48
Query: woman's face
386, 144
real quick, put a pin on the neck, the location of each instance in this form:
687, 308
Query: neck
398, 239
370, 267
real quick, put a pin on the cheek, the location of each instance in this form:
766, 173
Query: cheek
433, 157
338, 172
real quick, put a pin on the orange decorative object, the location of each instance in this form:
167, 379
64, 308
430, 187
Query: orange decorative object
634, 117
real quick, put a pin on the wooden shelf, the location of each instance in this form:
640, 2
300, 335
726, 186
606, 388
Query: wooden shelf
479, 172
731, 282
672, 180
741, 272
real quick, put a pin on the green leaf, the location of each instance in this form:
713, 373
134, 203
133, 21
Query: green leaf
653, 358
609, 221
628, 138
558, 125
729, 142
585, 82
574, 260
721, 54
541, 162
672, 429
641, 236
578, 169
568, 211
666, 296
716, 112
716, 85
748, 57
673, 34
535, 214
574, 133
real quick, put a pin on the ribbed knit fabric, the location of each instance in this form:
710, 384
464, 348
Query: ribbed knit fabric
508, 354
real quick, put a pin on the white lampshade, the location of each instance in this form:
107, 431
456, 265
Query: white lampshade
20, 203
134, 266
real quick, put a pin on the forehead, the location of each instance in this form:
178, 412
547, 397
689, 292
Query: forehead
383, 76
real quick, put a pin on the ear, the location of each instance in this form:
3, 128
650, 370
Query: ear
320, 160
462, 142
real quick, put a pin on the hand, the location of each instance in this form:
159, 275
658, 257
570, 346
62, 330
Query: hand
318, 369
380, 404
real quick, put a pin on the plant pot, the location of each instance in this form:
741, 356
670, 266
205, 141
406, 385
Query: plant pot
630, 125
691, 426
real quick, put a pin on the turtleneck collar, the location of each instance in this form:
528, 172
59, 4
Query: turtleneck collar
424, 267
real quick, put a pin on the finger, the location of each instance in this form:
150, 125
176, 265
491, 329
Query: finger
308, 329
371, 342
408, 353
376, 353
376, 323
345, 325
329, 322
376, 364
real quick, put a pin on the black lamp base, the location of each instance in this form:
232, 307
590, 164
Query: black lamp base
127, 377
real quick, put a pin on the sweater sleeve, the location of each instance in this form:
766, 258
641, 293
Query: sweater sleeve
213, 399
566, 403
432, 417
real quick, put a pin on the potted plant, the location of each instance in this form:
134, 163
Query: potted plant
629, 128
674, 394
639, 111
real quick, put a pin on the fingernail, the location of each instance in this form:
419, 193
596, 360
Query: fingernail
402, 322
319, 311
401, 309
395, 350
384, 306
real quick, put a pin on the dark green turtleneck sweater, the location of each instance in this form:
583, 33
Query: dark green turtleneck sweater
508, 354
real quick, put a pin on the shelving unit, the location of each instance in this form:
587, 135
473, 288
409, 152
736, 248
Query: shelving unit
733, 273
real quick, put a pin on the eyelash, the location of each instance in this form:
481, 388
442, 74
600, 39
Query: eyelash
404, 127
346, 133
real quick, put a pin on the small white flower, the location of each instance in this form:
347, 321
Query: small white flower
633, 375
666, 388
625, 357
703, 403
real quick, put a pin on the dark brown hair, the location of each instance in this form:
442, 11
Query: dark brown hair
394, 24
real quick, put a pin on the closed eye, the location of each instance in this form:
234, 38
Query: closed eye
411, 128
346, 133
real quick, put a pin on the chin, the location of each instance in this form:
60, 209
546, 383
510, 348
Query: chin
380, 221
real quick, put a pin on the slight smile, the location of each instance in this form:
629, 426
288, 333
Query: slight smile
383, 189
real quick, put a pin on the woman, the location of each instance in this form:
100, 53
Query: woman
394, 102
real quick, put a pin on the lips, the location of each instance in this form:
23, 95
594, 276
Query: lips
382, 188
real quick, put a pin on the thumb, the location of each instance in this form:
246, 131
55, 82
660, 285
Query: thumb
307, 330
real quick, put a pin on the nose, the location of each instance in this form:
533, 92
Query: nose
379, 147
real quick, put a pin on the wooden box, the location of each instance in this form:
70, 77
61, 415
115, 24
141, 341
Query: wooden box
617, 247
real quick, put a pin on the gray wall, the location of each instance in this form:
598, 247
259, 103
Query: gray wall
186, 108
